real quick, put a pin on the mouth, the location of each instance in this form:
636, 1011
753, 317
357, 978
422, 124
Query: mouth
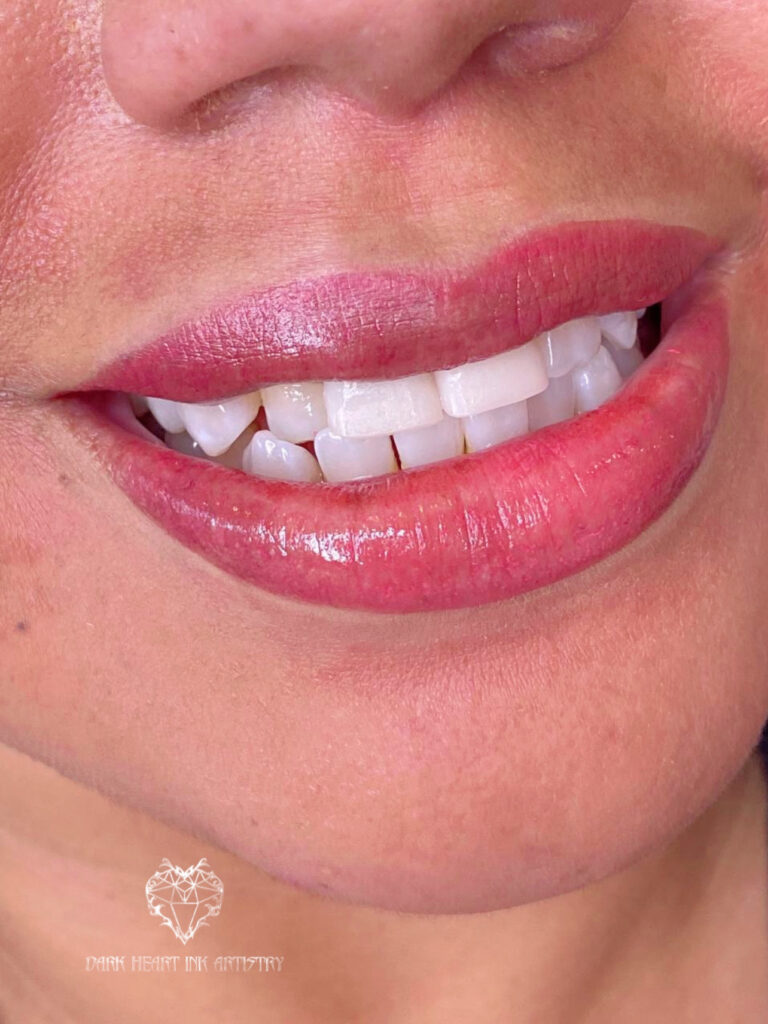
401, 442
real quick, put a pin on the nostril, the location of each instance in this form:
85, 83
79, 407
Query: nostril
546, 45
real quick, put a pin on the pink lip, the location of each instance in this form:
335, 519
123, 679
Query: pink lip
480, 528
390, 324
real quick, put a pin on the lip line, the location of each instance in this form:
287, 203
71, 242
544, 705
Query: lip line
385, 324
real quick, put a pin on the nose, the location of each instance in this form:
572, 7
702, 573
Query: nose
161, 56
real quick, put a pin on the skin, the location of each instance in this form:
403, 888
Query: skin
556, 758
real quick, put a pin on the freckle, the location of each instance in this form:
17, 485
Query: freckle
22, 626
63, 479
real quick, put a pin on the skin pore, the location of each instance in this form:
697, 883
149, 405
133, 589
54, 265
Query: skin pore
576, 763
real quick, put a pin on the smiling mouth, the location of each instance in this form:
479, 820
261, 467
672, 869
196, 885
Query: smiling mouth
337, 431
418, 442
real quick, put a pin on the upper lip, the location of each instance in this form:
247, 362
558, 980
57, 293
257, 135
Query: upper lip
392, 323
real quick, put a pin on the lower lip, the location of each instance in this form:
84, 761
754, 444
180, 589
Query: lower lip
478, 529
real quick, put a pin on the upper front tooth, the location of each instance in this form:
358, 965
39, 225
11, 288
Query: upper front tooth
620, 328
215, 427
369, 408
492, 383
167, 414
570, 345
295, 412
596, 382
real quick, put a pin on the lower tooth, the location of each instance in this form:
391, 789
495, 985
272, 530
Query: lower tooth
596, 382
424, 445
556, 404
487, 429
353, 458
269, 456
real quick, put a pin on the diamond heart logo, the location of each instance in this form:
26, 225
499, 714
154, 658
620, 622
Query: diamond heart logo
184, 899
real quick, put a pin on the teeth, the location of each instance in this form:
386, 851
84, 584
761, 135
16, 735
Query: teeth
353, 458
596, 382
492, 383
167, 414
556, 404
215, 427
620, 328
419, 447
270, 456
571, 345
295, 412
363, 429
370, 408
489, 428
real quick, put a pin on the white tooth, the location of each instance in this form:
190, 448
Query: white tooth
423, 445
596, 382
492, 383
295, 412
487, 429
620, 328
556, 404
216, 426
353, 458
167, 414
627, 359
269, 456
640, 313
369, 408
139, 405
570, 345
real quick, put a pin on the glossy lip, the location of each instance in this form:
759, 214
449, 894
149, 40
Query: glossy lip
392, 323
474, 530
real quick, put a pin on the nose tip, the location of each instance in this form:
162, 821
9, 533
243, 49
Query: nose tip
161, 56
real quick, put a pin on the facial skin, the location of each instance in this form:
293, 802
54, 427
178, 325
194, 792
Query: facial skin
452, 762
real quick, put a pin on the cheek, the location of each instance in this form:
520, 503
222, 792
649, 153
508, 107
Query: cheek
49, 89
724, 67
